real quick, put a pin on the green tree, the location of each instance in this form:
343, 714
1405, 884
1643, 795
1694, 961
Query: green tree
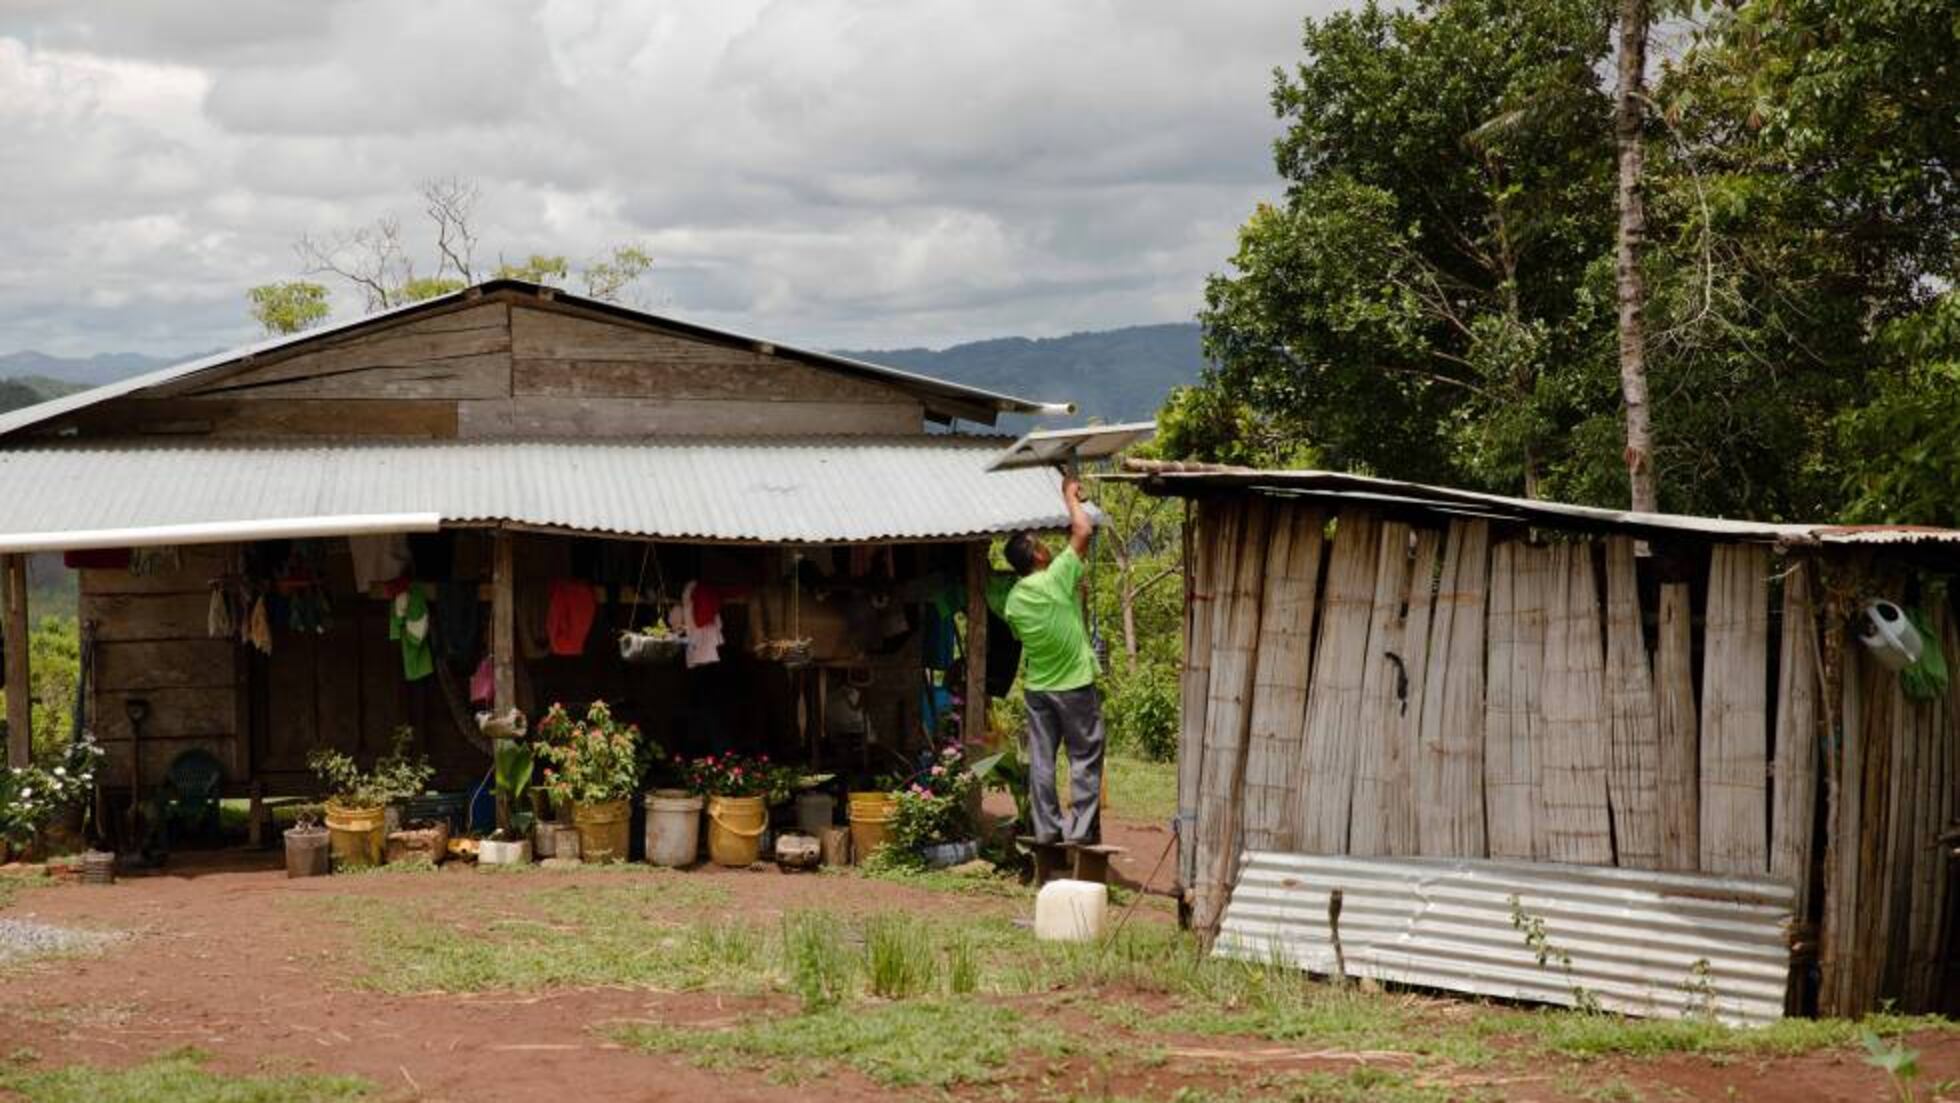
289, 307
1420, 304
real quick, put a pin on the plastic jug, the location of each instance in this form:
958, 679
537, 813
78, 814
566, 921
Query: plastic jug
1071, 911
1893, 641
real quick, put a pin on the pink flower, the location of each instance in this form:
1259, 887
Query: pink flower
938, 771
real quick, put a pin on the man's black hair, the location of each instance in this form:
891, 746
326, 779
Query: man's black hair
1020, 553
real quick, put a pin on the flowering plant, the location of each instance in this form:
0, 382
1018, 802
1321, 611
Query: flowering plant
397, 775
933, 806
594, 760
734, 775
31, 796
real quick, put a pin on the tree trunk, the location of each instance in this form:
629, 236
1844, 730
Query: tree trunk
1130, 622
1632, 287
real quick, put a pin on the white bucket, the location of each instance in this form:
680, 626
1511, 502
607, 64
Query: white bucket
1071, 911
673, 827
814, 812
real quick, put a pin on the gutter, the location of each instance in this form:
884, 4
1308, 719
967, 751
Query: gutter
220, 532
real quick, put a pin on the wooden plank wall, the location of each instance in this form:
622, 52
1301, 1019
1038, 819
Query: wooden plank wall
1384, 818
511, 366
1449, 771
1240, 569
1201, 528
1574, 825
151, 643
1341, 658
1279, 706
1633, 778
1679, 727
1735, 712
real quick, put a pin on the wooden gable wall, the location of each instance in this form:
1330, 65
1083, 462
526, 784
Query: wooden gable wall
509, 365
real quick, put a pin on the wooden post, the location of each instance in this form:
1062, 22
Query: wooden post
503, 639
974, 694
20, 696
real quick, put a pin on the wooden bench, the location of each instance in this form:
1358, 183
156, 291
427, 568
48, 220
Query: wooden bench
1080, 862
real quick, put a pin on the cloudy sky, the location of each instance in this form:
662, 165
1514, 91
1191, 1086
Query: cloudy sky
845, 173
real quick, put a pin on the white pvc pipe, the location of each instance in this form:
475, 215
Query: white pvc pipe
220, 532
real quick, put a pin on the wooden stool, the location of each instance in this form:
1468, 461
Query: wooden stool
1078, 862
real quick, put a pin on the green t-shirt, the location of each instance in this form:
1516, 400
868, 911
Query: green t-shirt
1043, 611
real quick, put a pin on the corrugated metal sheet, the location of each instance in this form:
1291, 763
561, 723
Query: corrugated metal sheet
1636, 940
923, 385
775, 490
1193, 478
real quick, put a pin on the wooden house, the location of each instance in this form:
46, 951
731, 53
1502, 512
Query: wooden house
1534, 750
528, 445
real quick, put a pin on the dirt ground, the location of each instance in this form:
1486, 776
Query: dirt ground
224, 954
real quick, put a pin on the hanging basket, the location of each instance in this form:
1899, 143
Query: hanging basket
641, 649
794, 654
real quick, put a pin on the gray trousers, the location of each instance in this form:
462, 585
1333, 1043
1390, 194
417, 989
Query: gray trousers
1070, 718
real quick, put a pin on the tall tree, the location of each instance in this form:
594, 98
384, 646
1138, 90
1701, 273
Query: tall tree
1629, 114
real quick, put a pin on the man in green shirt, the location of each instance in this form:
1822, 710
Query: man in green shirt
1059, 677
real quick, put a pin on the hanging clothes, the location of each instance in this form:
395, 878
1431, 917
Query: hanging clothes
568, 619
483, 683
258, 627
378, 559
408, 622
704, 638
218, 620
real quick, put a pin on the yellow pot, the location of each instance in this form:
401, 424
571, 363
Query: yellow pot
871, 822
735, 826
359, 835
604, 829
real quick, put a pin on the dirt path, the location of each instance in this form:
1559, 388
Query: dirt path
230, 957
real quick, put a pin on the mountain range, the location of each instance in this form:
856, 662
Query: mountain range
1112, 375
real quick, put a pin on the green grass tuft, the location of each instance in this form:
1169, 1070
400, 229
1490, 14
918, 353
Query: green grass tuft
900, 961
179, 1076
920, 1043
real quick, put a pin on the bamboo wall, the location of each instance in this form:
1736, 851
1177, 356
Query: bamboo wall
1360, 685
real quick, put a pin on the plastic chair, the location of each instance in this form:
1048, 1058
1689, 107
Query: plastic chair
195, 777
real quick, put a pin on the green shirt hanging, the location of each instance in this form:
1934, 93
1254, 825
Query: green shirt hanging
408, 621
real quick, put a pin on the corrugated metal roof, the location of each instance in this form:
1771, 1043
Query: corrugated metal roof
829, 489
1639, 942
920, 384
1186, 479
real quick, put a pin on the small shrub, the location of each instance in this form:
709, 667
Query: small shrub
1141, 710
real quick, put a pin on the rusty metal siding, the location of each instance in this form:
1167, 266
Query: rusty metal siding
772, 490
1639, 942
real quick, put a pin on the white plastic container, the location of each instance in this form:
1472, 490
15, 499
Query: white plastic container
1893, 641
1071, 911
673, 833
814, 812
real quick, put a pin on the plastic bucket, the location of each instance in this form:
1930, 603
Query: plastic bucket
306, 852
871, 822
604, 829
814, 812
673, 833
358, 834
735, 826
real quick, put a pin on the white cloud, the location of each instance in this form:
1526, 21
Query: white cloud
837, 172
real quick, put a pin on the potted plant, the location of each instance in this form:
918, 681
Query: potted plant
306, 844
595, 766
933, 815
510, 774
32, 797
357, 800
739, 791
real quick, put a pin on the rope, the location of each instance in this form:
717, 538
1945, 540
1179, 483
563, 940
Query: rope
1143, 890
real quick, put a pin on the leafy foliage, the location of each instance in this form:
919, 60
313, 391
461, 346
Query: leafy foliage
289, 307
734, 775
32, 796
397, 775
593, 760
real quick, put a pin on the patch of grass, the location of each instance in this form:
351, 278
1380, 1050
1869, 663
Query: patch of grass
1003, 885
900, 961
821, 967
1572, 1034
179, 1076
918, 1043
1139, 789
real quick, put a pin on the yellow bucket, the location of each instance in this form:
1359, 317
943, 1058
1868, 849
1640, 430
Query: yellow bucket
358, 835
871, 822
735, 826
605, 829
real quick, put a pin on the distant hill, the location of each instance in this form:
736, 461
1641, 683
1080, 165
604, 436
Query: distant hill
30, 389
83, 371
1112, 375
